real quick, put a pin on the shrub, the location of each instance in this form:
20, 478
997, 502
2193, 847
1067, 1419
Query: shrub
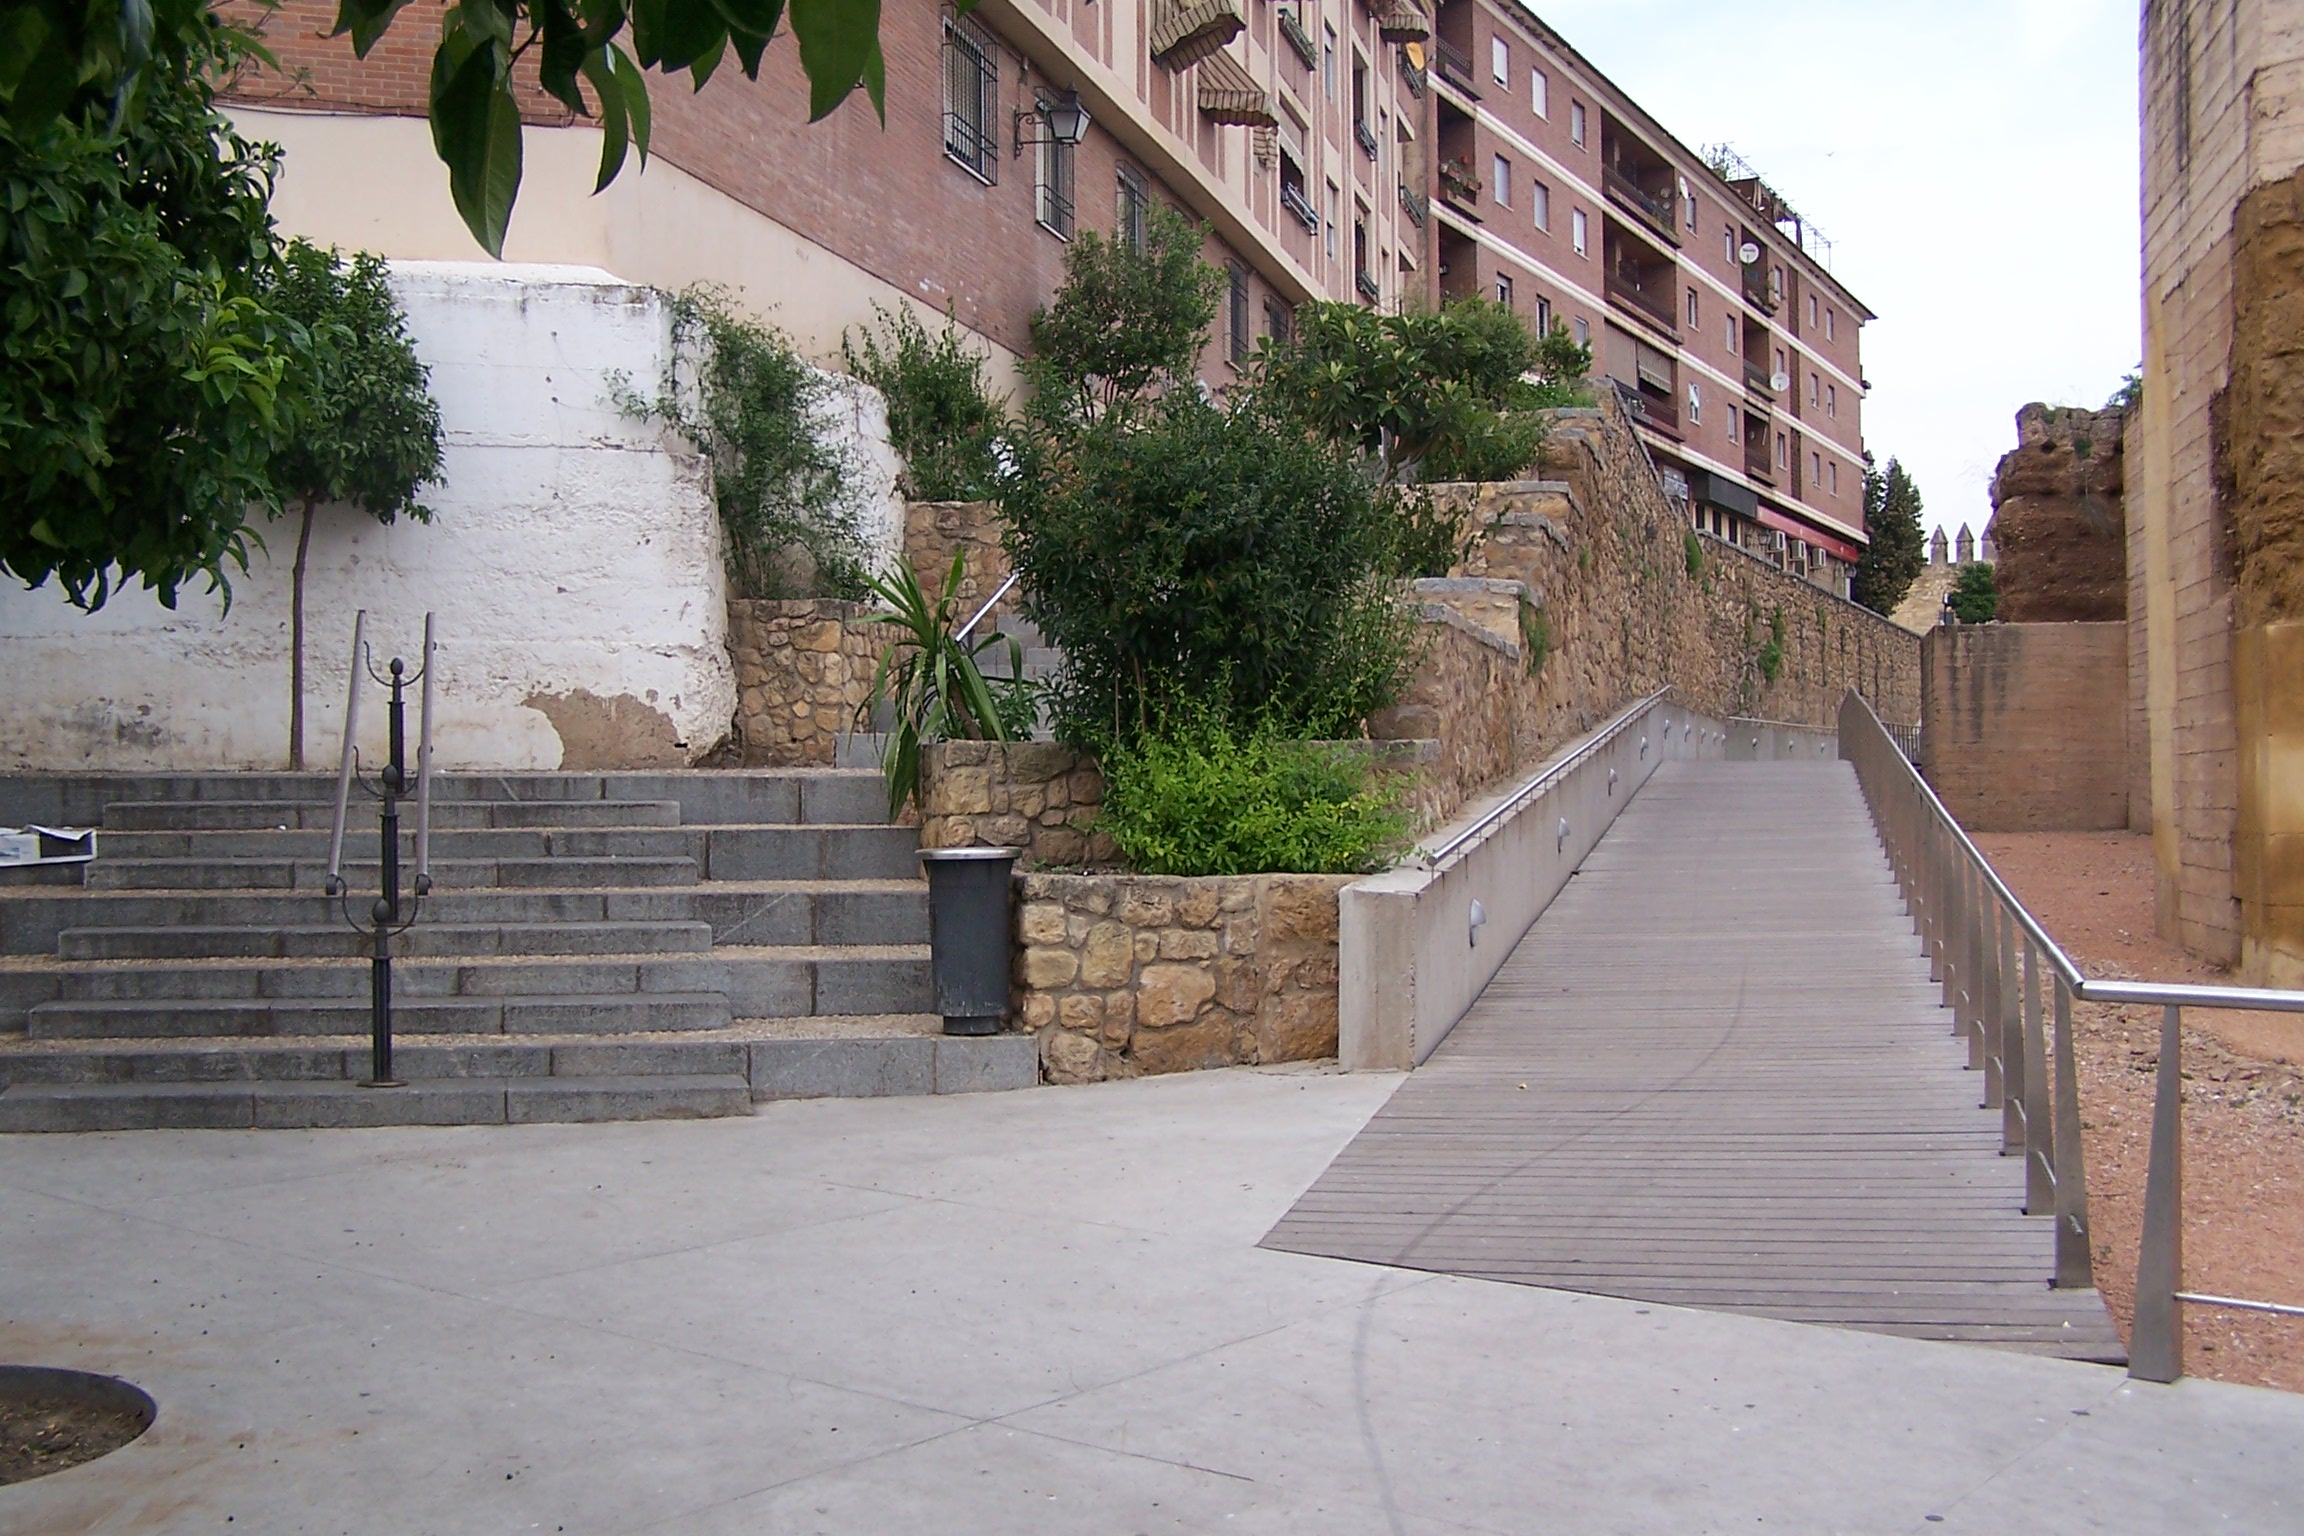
1692, 550
744, 397
1198, 797
1129, 321
1975, 595
941, 414
1186, 552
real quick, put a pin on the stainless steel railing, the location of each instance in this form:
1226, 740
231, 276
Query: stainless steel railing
1433, 858
2004, 978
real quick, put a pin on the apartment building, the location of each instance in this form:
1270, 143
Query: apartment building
1282, 125
1702, 292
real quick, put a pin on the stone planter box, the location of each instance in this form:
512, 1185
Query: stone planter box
1128, 975
1035, 795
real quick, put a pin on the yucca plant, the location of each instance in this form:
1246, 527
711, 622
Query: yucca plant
929, 673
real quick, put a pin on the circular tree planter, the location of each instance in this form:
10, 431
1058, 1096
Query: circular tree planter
52, 1419
968, 935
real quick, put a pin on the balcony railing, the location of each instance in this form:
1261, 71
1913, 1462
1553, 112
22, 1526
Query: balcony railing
1757, 380
1298, 38
1655, 211
1298, 204
1459, 186
1415, 79
1757, 464
1649, 408
1367, 286
1417, 206
1632, 296
1756, 291
1365, 136
1453, 66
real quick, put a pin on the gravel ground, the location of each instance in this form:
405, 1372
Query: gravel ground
2243, 1107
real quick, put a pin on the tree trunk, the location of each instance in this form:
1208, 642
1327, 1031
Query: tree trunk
296, 647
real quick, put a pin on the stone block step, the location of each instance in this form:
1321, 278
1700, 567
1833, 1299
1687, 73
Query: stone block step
738, 912
128, 817
704, 795
242, 874
426, 939
360, 842
830, 851
302, 1105
515, 1014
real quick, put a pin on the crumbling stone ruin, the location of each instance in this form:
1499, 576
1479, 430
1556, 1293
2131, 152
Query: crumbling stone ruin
2057, 521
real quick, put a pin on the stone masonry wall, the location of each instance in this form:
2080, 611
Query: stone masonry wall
1039, 796
1128, 975
2058, 526
934, 529
1614, 611
802, 669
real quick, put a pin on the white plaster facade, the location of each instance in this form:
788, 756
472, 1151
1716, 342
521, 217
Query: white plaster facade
574, 562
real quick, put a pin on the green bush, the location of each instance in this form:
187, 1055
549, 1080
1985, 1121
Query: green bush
1197, 797
1129, 322
1975, 595
941, 414
1181, 551
1692, 549
744, 397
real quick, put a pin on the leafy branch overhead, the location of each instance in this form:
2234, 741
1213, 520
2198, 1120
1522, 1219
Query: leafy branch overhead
580, 44
56, 55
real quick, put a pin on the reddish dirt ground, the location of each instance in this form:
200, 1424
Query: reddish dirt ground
2243, 1107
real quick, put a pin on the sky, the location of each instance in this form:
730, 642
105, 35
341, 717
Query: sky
1974, 164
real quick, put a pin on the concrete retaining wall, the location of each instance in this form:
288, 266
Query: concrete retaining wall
2025, 726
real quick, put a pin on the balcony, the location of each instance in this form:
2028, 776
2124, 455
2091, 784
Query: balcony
1652, 210
1649, 410
1415, 204
1367, 286
1756, 291
1626, 290
1757, 464
1298, 38
1449, 62
1756, 380
1415, 79
1293, 199
1364, 136
1460, 187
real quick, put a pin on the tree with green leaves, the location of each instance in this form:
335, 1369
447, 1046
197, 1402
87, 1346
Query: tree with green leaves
1129, 322
54, 50
145, 386
1445, 394
369, 432
1894, 558
1975, 595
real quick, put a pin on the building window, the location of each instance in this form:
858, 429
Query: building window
1583, 331
1828, 325
1692, 315
1539, 89
1776, 284
1688, 197
1815, 467
1783, 451
1730, 322
1695, 404
1363, 277
1239, 340
1811, 311
1500, 60
971, 97
1279, 320
1360, 118
1504, 289
1832, 476
1815, 391
1779, 360
1500, 181
1731, 426
1052, 187
1831, 399
1328, 62
1293, 197
1543, 315
1135, 203
1580, 232
1728, 244
1576, 123
1540, 200
1331, 221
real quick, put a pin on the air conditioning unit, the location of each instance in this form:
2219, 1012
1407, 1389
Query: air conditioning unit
1777, 541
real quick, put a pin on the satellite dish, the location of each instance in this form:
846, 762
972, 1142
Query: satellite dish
1779, 382
1748, 253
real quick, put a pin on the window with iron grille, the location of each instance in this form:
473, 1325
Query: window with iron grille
1052, 192
1238, 341
971, 97
1279, 320
1135, 203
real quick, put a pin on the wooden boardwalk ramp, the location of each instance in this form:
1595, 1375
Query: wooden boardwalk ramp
1715, 1074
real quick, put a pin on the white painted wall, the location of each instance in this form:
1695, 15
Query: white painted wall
574, 551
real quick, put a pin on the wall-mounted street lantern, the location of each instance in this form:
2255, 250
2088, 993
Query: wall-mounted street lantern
1063, 118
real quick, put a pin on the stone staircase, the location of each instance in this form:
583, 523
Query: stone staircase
597, 946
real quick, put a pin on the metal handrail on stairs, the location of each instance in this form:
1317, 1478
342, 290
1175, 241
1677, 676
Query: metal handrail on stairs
1994, 961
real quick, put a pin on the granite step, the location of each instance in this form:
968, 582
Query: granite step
305, 1105
360, 842
129, 817
241, 874
259, 1017
424, 940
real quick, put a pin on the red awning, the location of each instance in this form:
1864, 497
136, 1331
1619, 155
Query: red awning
1831, 543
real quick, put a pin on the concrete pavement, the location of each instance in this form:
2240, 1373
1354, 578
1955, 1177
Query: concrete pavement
1036, 1312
